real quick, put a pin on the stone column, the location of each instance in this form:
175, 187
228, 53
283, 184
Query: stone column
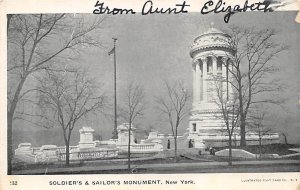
213, 86
201, 81
197, 78
194, 83
214, 65
204, 67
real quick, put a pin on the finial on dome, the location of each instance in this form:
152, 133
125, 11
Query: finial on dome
212, 24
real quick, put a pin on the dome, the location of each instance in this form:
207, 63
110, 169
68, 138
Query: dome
212, 39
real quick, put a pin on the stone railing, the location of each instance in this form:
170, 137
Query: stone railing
36, 150
248, 137
160, 136
61, 156
89, 154
141, 148
63, 148
98, 154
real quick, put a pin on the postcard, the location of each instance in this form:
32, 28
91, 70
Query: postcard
160, 94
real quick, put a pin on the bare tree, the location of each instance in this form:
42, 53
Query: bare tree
257, 126
252, 68
174, 106
66, 99
229, 109
134, 107
35, 43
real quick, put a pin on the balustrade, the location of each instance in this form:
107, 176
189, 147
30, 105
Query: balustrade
89, 155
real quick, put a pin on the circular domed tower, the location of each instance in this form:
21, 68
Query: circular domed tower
211, 53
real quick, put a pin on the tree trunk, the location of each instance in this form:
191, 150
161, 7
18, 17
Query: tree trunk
68, 153
230, 152
243, 130
67, 138
242, 113
260, 144
9, 143
128, 153
10, 117
175, 144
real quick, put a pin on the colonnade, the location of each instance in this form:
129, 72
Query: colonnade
203, 77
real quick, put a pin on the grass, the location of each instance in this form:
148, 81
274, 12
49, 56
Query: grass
280, 149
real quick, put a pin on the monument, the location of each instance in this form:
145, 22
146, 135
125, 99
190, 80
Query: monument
212, 55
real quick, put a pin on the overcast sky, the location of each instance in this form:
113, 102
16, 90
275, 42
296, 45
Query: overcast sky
151, 49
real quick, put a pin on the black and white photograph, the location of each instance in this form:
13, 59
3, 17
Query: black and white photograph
152, 94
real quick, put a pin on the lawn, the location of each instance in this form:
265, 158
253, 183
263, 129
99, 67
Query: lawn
280, 149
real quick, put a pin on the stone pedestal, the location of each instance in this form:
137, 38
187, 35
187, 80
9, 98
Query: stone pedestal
86, 138
23, 148
123, 134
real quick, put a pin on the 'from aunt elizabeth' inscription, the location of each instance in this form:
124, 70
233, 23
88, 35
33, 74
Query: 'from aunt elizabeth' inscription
208, 7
